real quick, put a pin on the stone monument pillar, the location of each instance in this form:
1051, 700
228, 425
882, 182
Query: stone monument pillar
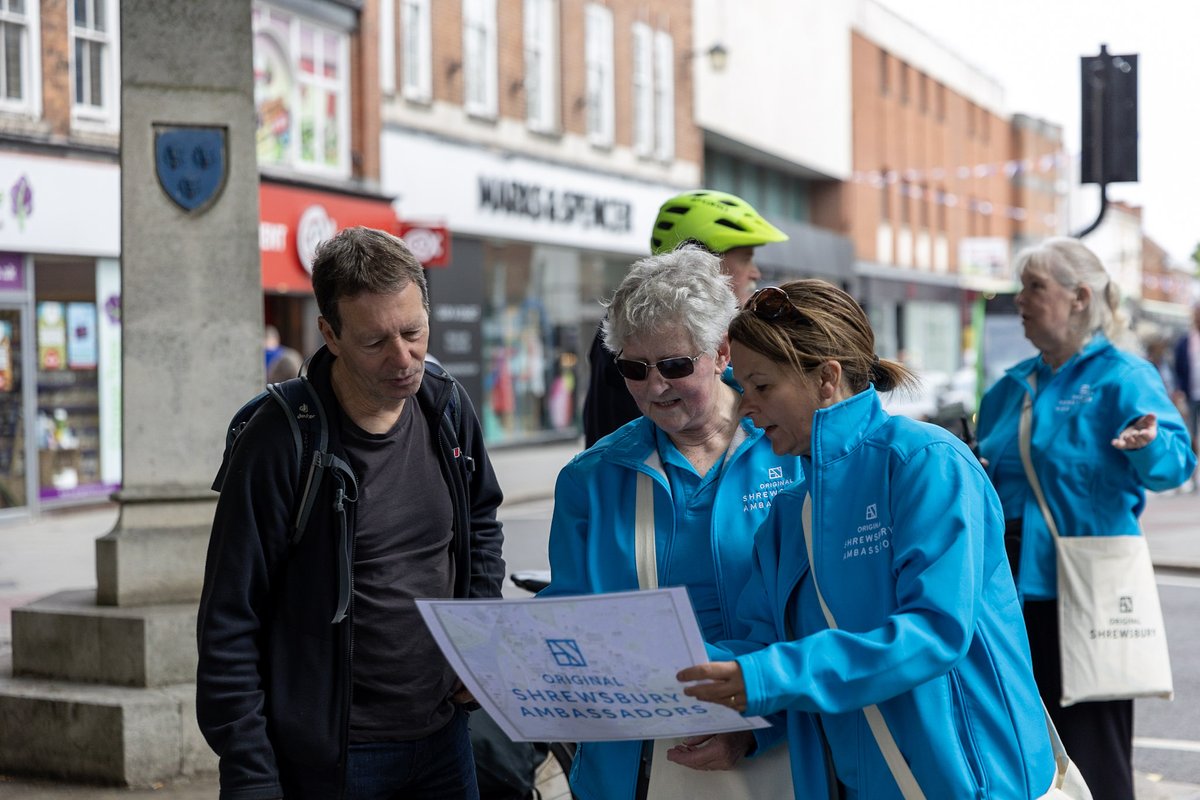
192, 288
102, 681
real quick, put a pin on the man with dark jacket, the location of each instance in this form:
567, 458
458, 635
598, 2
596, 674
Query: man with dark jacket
317, 677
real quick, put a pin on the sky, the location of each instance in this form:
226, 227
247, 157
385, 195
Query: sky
1032, 48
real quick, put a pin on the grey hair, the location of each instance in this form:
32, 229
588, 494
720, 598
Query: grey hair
682, 289
1071, 264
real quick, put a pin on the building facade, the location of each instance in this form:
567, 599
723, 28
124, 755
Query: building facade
947, 185
60, 322
540, 136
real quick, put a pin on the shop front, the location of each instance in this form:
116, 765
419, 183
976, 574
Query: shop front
294, 219
534, 249
60, 331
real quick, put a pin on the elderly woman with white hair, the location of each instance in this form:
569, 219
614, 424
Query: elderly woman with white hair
711, 476
1103, 431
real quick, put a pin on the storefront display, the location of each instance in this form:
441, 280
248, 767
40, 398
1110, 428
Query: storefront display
535, 247
60, 365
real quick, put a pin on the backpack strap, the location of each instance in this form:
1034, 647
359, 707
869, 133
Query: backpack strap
311, 429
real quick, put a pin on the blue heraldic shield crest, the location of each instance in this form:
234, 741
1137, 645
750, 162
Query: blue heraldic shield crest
191, 164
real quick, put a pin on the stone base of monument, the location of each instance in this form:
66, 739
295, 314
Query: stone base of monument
101, 694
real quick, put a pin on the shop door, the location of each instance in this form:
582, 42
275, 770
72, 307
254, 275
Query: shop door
14, 465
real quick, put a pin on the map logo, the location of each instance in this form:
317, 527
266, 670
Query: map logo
566, 652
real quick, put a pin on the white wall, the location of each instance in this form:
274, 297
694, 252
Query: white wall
785, 90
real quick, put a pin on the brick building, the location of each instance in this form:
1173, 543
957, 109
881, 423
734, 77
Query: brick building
541, 136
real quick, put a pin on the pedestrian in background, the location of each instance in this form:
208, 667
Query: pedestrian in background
1104, 431
880, 597
724, 225
317, 677
708, 476
1187, 381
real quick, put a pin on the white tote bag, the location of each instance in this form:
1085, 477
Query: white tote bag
764, 777
1112, 642
1068, 783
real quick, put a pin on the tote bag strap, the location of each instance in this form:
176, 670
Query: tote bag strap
644, 549
1024, 434
899, 768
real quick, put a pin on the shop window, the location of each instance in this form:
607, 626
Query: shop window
541, 65
479, 57
417, 47
598, 56
539, 318
19, 58
94, 61
13, 466
73, 373
301, 93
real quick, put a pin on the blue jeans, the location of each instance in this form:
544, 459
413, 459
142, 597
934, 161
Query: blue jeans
438, 767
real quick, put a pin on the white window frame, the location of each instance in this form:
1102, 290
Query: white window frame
598, 60
643, 89
664, 96
416, 50
339, 86
541, 65
479, 66
387, 46
107, 115
30, 102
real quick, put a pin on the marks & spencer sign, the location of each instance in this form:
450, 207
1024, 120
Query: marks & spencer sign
559, 207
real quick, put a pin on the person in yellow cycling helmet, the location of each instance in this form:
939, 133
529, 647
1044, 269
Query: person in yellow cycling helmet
722, 223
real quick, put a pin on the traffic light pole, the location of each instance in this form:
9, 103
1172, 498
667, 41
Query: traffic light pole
1103, 207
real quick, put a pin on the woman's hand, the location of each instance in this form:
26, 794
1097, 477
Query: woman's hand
725, 685
720, 751
1140, 433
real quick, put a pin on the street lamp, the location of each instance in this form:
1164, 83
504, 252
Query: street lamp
718, 55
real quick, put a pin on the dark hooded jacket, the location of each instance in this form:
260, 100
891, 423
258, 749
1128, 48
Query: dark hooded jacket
273, 681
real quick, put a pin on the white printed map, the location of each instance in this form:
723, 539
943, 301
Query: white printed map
580, 669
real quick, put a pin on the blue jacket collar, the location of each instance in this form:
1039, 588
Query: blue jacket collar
841, 428
1024, 369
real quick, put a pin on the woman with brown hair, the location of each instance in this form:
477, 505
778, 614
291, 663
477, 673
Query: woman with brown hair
880, 599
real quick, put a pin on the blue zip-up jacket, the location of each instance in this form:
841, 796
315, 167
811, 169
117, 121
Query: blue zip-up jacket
592, 548
1091, 487
909, 551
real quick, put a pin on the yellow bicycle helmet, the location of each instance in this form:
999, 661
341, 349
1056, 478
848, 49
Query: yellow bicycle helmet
716, 220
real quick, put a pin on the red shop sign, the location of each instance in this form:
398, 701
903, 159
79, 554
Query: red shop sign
429, 243
294, 220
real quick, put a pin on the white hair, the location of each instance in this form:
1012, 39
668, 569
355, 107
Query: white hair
683, 289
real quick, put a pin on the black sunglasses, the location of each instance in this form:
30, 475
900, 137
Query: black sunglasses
772, 303
669, 368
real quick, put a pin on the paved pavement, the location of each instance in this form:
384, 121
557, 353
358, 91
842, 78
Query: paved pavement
56, 551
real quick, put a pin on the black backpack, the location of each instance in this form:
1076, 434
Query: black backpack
310, 436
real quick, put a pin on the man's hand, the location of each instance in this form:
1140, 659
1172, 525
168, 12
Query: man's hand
720, 751
724, 684
1140, 433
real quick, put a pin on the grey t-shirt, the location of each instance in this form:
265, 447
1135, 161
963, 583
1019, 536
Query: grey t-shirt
402, 551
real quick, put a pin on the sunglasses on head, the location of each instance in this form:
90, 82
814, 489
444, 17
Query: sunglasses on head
669, 368
771, 303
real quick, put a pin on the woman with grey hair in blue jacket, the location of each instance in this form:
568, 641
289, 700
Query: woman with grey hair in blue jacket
711, 476
880, 597
1104, 431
